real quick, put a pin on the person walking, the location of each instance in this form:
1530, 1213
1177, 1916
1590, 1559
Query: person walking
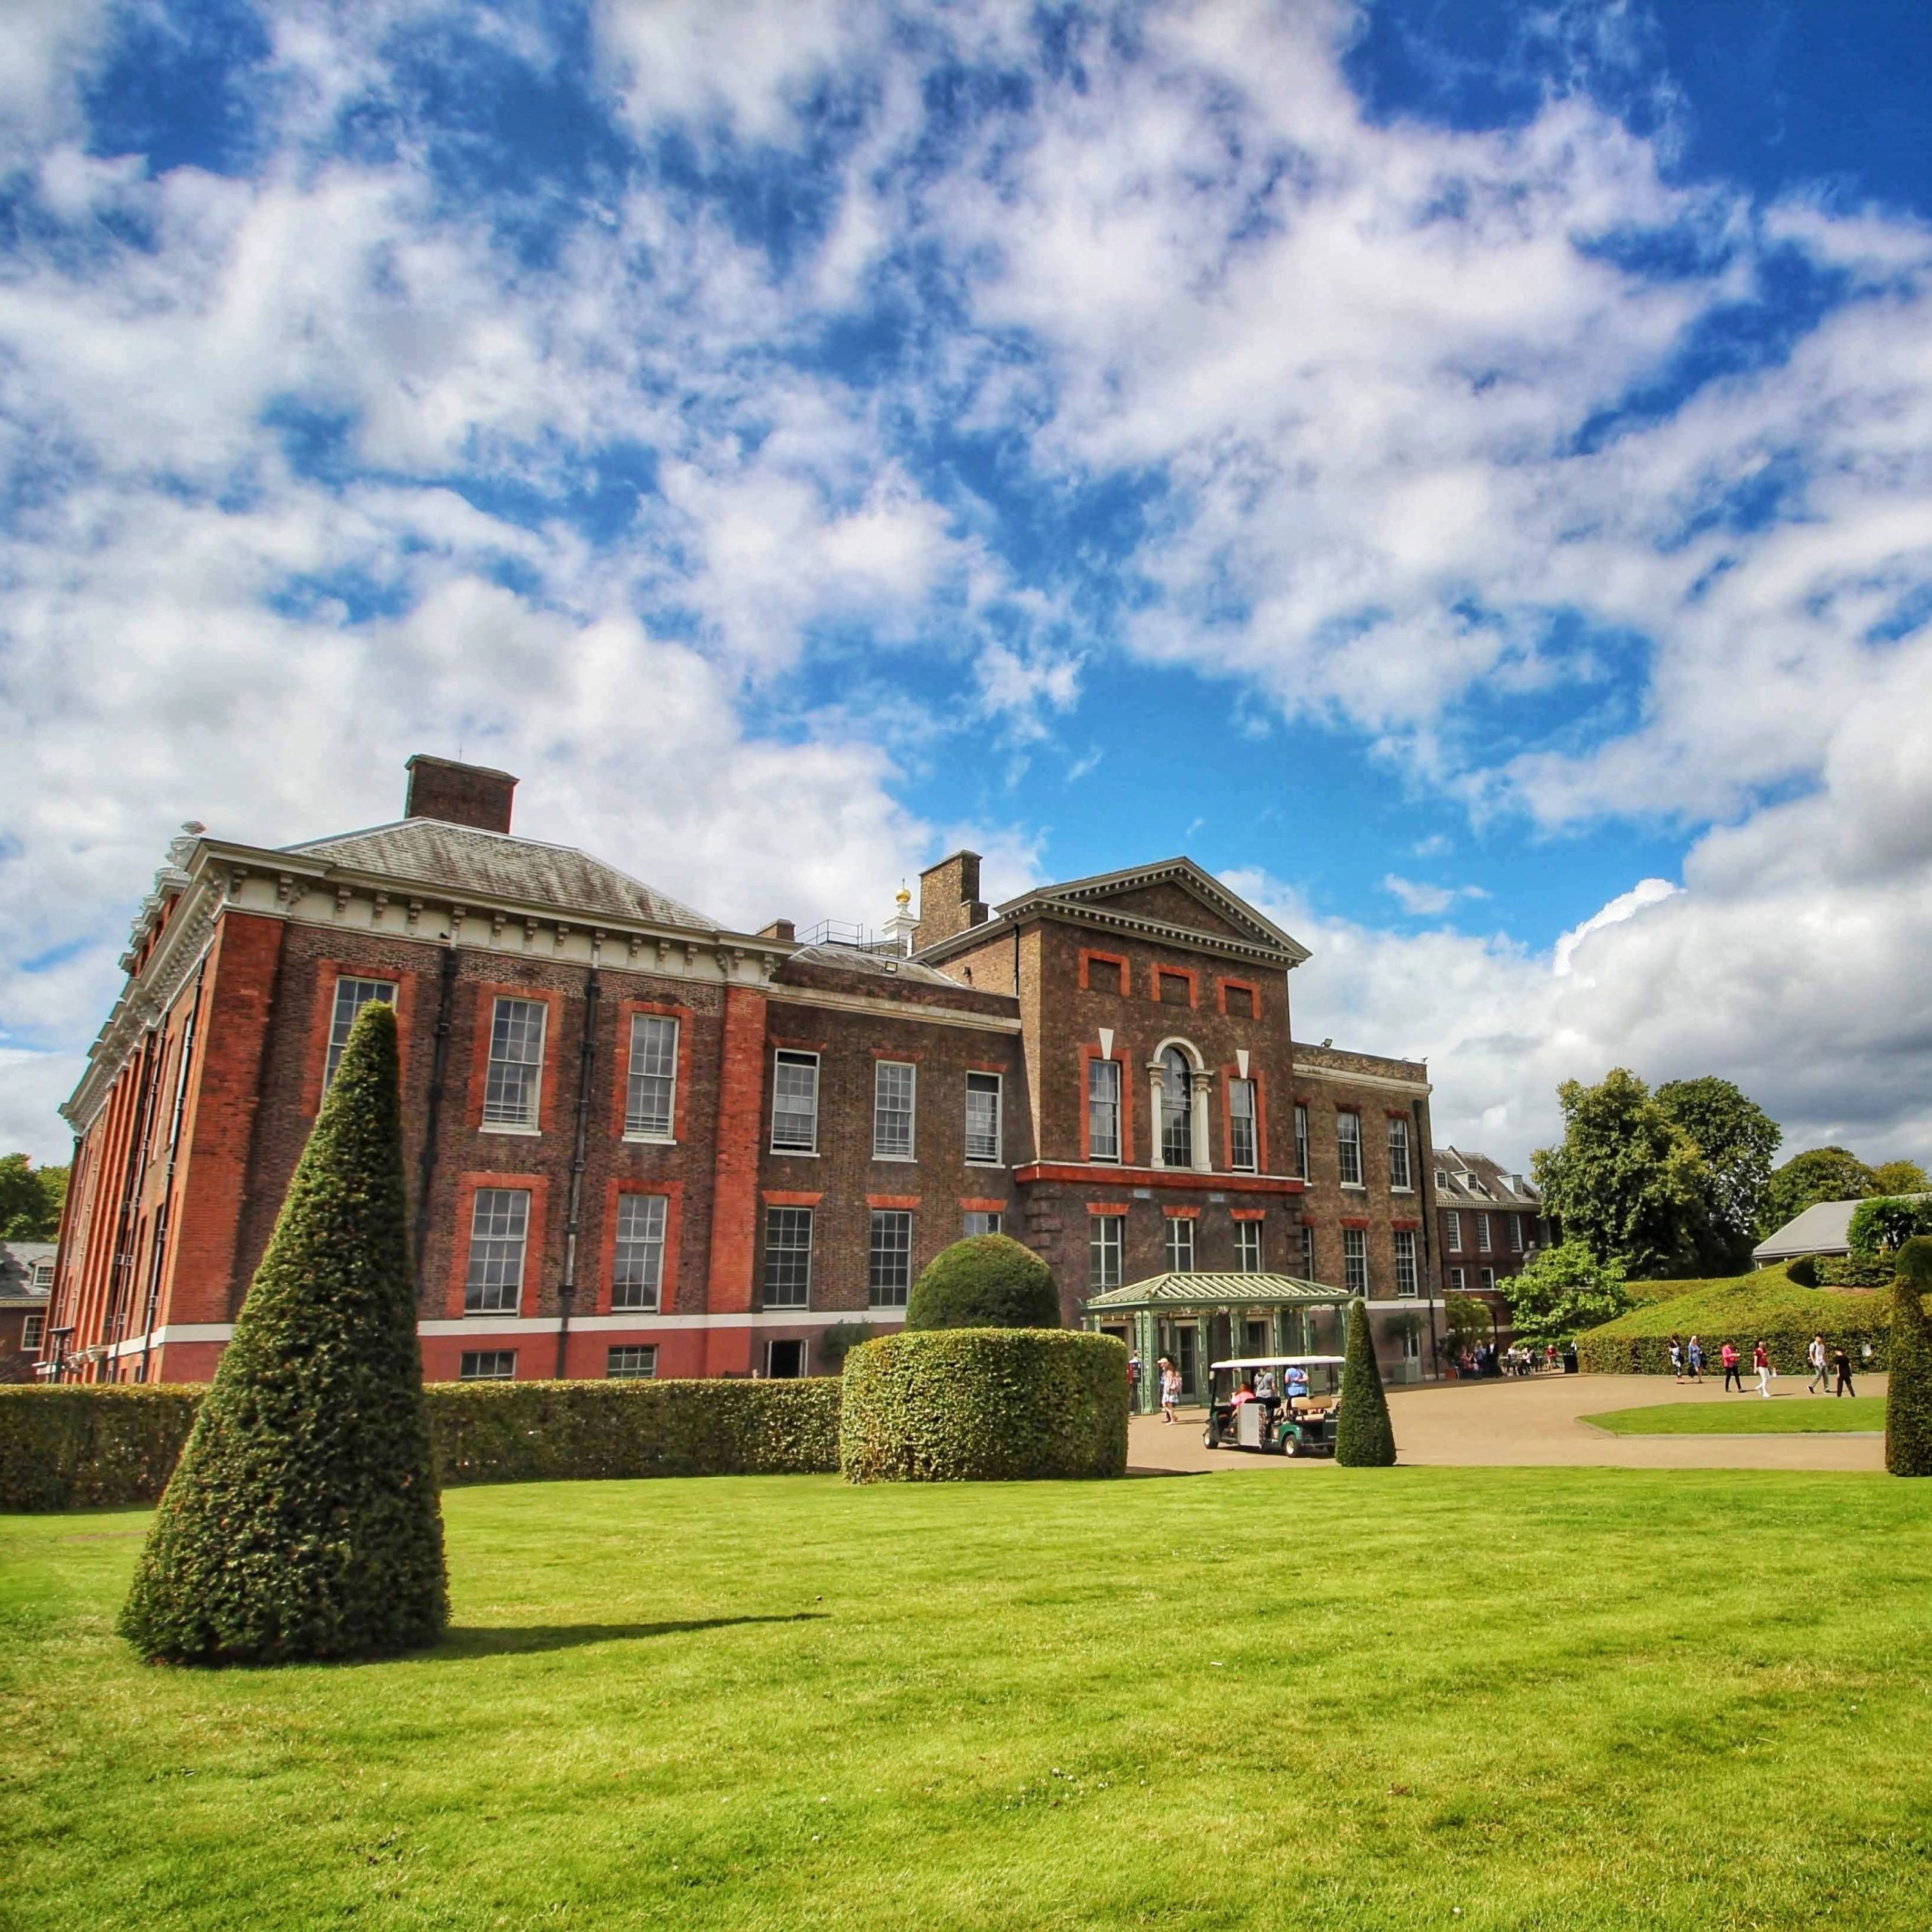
1170, 1390
1727, 1355
1760, 1360
1694, 1355
1821, 1373
1677, 1358
1842, 1361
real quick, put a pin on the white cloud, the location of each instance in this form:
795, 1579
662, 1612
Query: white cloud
1624, 906
1422, 900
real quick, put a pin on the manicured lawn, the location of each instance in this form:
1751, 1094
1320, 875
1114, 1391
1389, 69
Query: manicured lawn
1319, 1698
1750, 1415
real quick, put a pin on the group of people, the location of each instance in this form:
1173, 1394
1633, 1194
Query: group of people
1687, 1365
1260, 1387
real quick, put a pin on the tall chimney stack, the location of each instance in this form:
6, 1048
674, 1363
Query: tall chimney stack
456, 794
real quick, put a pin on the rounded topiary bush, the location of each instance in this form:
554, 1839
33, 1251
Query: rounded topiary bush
985, 1282
984, 1405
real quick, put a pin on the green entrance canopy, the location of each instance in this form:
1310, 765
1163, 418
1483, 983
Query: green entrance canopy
1176, 1293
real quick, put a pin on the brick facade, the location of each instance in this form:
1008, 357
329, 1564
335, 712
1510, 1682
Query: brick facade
1490, 1221
203, 1088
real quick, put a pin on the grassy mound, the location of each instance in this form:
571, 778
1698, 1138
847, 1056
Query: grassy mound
1766, 1304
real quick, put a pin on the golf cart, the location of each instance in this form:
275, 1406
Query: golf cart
1278, 1417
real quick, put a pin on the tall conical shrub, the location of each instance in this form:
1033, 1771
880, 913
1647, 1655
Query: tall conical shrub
1365, 1437
302, 1520
1908, 1391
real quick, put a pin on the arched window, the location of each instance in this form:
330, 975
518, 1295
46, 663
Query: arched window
1177, 1109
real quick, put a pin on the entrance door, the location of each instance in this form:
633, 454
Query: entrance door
1257, 1341
1187, 1359
785, 1362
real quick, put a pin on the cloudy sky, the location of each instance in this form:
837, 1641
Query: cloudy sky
1462, 473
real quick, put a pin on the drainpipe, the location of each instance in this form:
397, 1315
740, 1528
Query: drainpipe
432, 1111
162, 1213
586, 1066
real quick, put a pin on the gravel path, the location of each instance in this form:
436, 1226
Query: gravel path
1537, 1422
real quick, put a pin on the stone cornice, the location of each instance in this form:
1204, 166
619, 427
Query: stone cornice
1269, 953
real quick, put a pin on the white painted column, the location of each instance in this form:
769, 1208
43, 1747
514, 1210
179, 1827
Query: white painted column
1157, 1110
1201, 1091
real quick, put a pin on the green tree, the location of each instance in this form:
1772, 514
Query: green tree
836, 1342
31, 1199
1467, 1321
1736, 1139
984, 1281
1886, 1222
1627, 1182
1909, 1388
1365, 1437
1561, 1291
302, 1520
1819, 1173
1899, 1177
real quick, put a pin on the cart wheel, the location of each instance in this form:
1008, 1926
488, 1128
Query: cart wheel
1208, 1439
1289, 1447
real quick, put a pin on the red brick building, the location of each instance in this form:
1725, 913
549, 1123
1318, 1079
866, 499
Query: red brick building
639, 1143
1490, 1221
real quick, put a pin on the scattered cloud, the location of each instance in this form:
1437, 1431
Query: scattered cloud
1427, 901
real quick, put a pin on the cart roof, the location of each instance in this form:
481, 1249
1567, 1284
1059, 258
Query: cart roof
1279, 1361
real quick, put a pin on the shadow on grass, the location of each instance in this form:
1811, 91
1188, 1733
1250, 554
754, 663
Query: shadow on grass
506, 1640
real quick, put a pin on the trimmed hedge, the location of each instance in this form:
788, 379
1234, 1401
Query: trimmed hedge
1909, 1393
985, 1405
1764, 1305
87, 1447
1853, 1271
984, 1281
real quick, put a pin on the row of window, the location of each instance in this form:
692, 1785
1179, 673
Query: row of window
1452, 1231
1485, 1280
499, 1242
795, 1110
1106, 1241
1169, 985
784, 1357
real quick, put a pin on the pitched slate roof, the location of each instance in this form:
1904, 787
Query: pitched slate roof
459, 858
1219, 1291
1824, 1228
861, 959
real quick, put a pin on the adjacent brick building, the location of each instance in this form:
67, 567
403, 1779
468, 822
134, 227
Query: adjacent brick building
26, 1283
641, 1144
1490, 1221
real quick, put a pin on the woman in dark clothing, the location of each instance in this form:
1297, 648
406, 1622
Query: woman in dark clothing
1842, 1361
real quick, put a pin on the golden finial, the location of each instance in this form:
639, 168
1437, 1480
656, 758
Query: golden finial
905, 897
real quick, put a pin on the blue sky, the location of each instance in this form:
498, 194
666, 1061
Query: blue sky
1459, 472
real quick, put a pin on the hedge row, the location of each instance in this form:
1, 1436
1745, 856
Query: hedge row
89, 1447
985, 1405
1765, 1305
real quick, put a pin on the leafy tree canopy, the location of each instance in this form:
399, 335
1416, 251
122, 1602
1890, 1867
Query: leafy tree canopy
1888, 1221
1628, 1182
1819, 1173
1467, 1321
1561, 1291
31, 1199
1736, 1139
1901, 1177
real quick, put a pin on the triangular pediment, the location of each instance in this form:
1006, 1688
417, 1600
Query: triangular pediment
1176, 894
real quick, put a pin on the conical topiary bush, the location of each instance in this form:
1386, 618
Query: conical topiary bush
1908, 1391
1364, 1438
302, 1520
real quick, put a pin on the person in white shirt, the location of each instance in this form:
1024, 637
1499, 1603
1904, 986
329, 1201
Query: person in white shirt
1821, 1373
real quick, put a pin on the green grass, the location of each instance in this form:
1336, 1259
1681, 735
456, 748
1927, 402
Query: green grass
1750, 1415
1563, 1699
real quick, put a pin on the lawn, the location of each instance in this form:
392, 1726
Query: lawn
1317, 1698
1750, 1415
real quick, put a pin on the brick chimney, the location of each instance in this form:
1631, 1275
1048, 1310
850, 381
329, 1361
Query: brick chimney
949, 899
440, 788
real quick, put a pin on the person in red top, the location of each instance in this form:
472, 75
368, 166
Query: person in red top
1760, 1360
1727, 1355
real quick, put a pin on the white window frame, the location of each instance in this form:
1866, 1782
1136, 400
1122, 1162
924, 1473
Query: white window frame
645, 1294
1401, 1166
1456, 1280
1407, 1281
1487, 1277
489, 1247
1308, 1250
1515, 1234
1482, 1234
889, 1239
1247, 1247
997, 1158
884, 1144
1355, 1261
795, 1058
1441, 1178
992, 1222
1238, 1088
802, 1343
529, 1118
1344, 1142
1301, 1139
43, 1275
341, 1025
1116, 1102
643, 1369
468, 1365
33, 1326
1180, 1245
1452, 1230
772, 1248
638, 1124
1107, 1246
